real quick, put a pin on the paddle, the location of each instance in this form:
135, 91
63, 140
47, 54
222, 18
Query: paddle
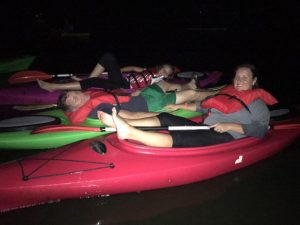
190, 74
32, 75
33, 107
65, 128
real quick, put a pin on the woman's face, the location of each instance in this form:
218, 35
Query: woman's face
166, 71
243, 79
76, 99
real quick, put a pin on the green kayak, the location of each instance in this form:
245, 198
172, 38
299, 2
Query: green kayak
23, 139
15, 64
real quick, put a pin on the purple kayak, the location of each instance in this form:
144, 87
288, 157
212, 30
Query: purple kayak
31, 93
27, 94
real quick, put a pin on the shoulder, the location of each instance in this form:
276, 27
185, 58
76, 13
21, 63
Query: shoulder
259, 107
258, 103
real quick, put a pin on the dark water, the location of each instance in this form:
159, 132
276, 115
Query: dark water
266, 193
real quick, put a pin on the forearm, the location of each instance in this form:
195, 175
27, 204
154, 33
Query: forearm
236, 128
225, 127
136, 93
185, 106
132, 69
203, 94
255, 129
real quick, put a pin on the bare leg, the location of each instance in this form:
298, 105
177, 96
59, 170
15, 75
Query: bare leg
186, 96
190, 85
126, 131
149, 119
74, 86
136, 115
166, 86
98, 69
192, 95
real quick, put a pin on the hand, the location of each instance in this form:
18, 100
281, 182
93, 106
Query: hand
135, 93
172, 107
76, 78
221, 127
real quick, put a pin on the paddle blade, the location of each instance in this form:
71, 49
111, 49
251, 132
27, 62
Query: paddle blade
190, 74
64, 128
28, 76
33, 107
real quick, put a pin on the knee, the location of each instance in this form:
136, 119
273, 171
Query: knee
107, 58
164, 118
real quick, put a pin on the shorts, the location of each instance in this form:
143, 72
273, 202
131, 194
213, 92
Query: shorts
194, 138
156, 98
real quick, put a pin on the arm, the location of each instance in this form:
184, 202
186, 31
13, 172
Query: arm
167, 86
260, 119
258, 126
224, 127
132, 69
186, 106
136, 93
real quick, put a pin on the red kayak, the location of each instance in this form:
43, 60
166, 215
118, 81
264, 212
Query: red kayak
107, 165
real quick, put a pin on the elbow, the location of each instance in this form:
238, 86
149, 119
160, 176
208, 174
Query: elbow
255, 131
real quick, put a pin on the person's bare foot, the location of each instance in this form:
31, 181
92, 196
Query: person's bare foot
192, 84
45, 85
123, 128
106, 119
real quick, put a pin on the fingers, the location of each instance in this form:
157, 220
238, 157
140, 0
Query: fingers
217, 127
114, 111
75, 78
100, 114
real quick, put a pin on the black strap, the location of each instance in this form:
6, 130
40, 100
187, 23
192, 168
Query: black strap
116, 97
133, 75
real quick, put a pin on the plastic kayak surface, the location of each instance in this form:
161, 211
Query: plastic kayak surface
107, 165
27, 94
15, 64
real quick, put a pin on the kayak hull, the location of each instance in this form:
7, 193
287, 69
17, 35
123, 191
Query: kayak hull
15, 64
77, 171
27, 94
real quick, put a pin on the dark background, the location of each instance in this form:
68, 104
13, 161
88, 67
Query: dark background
194, 35
200, 35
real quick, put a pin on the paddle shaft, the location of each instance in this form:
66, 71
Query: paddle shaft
31, 76
169, 128
68, 128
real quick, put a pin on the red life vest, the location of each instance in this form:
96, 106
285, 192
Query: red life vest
230, 100
147, 77
96, 98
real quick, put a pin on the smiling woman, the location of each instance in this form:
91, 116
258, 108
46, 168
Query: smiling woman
245, 77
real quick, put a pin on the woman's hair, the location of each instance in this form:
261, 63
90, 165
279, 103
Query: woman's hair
253, 69
174, 68
61, 102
